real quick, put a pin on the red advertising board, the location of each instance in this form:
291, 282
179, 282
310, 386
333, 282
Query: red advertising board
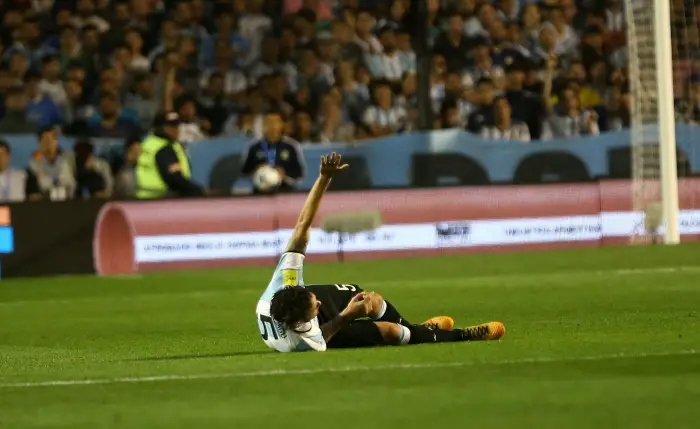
187, 234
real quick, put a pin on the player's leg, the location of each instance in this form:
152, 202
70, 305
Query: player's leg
436, 330
386, 312
368, 333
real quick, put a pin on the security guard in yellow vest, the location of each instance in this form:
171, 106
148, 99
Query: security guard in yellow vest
162, 169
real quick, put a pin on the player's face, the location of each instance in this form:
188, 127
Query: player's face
315, 305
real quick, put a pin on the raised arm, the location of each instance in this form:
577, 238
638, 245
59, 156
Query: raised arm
548, 82
330, 164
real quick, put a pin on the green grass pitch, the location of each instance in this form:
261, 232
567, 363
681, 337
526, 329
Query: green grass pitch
597, 338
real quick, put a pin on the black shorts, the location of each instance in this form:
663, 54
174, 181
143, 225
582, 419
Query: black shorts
334, 299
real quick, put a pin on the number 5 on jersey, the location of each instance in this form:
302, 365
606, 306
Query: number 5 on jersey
265, 323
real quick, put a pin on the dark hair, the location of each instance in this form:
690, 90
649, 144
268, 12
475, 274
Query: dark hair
4, 145
290, 305
83, 149
68, 27
185, 99
89, 27
307, 15
122, 45
131, 141
49, 58
109, 96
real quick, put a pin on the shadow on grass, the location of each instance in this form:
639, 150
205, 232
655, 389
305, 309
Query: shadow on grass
199, 356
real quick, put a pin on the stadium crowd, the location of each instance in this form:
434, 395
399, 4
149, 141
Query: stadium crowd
337, 70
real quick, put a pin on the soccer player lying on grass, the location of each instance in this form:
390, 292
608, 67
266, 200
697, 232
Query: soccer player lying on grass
296, 317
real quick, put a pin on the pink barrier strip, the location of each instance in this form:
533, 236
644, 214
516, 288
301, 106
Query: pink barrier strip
138, 236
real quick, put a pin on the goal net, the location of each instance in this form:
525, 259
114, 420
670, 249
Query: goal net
653, 154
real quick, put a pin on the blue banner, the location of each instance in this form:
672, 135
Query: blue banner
7, 242
397, 161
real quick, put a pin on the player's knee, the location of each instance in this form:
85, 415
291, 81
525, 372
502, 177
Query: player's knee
393, 333
378, 305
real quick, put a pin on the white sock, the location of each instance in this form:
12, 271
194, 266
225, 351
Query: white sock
405, 336
381, 312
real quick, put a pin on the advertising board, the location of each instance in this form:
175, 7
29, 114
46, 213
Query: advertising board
188, 234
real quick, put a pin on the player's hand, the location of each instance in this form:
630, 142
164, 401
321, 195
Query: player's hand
359, 306
331, 164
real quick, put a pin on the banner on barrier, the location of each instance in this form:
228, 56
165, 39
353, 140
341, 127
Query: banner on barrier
628, 224
454, 234
227, 232
458, 233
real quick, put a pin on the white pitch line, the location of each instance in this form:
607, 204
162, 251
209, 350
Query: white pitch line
291, 372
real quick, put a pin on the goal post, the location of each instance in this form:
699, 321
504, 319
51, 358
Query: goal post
652, 133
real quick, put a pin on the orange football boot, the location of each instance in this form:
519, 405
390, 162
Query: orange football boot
485, 331
445, 323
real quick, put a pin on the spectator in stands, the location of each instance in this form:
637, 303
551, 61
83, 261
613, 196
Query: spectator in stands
364, 37
305, 25
566, 38
504, 127
273, 88
253, 25
142, 99
336, 124
108, 122
389, 64
356, 95
93, 175
225, 30
316, 77
15, 119
40, 108
383, 118
192, 128
269, 61
235, 82
483, 65
87, 16
125, 181
19, 66
345, 49
449, 114
51, 83
75, 111
278, 151
452, 44
568, 120
592, 47
618, 113
119, 25
52, 167
97, 58
29, 42
70, 49
526, 106
304, 128
163, 168
13, 182
482, 99
134, 41
484, 16
438, 73
214, 104
407, 97
168, 40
